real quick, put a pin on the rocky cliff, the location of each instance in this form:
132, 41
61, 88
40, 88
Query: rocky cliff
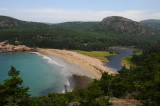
117, 24
5, 47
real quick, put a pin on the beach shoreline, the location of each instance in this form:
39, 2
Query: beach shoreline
90, 64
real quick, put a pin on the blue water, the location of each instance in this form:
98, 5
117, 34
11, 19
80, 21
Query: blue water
115, 61
40, 73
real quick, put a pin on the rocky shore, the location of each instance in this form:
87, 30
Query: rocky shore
81, 81
4, 47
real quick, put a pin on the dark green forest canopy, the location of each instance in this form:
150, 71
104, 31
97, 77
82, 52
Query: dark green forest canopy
69, 38
69, 35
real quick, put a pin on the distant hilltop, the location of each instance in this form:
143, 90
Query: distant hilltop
9, 22
112, 24
152, 24
123, 25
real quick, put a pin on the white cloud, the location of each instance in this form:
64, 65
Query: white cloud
63, 15
51, 11
3, 9
156, 15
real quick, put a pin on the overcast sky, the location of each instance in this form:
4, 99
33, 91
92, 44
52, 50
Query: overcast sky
55, 11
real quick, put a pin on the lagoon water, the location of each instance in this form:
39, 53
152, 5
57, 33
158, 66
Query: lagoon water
115, 61
40, 73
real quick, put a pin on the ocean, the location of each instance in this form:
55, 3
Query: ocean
42, 74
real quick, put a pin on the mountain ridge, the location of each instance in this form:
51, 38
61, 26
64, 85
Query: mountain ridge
152, 24
10, 22
112, 24
123, 25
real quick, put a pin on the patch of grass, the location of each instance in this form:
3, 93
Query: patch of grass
126, 61
138, 53
96, 54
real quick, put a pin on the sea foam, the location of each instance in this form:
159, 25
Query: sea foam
50, 60
63, 70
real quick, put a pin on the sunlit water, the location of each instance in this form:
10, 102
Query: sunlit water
42, 74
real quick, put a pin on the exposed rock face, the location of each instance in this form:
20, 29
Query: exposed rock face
124, 102
81, 81
11, 48
117, 102
123, 25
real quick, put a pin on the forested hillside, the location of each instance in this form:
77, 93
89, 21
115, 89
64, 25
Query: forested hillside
152, 24
9, 22
70, 35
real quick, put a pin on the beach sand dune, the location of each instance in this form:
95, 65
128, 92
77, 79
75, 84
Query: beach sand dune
93, 65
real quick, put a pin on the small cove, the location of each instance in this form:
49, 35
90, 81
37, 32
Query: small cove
42, 74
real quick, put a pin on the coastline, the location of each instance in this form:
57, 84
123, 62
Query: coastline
6, 47
90, 64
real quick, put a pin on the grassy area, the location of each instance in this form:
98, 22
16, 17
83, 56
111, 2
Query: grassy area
127, 60
96, 54
138, 53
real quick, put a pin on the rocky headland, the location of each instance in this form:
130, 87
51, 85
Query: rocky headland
5, 47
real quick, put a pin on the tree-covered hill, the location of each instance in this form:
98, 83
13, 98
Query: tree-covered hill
73, 35
78, 25
152, 24
9, 22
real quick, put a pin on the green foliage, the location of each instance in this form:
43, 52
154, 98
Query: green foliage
11, 91
141, 82
10, 23
74, 36
152, 24
13, 72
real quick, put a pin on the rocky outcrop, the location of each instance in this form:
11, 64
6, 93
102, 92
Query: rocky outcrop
124, 102
81, 81
123, 25
4, 47
116, 102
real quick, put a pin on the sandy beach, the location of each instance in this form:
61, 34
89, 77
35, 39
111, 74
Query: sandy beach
93, 65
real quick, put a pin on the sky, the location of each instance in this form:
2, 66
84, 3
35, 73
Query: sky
56, 11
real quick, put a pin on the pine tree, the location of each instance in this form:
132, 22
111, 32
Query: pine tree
12, 91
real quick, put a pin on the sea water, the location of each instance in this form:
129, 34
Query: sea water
42, 74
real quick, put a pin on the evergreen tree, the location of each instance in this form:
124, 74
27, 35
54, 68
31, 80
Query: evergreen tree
11, 91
